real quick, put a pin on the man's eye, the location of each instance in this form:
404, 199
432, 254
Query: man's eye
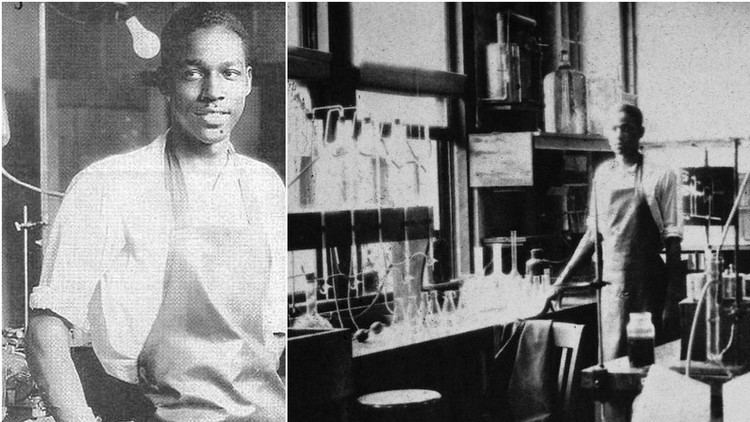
232, 74
191, 75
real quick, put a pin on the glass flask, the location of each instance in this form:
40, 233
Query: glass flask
399, 312
423, 309
565, 99
514, 275
449, 309
412, 315
433, 310
311, 317
498, 278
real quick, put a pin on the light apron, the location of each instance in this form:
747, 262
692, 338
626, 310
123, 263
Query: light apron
204, 359
630, 247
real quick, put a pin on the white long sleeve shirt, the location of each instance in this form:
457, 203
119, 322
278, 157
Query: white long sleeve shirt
659, 185
105, 256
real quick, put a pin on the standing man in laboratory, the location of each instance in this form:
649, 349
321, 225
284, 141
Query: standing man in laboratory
638, 216
171, 257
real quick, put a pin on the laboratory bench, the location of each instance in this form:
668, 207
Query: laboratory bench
457, 362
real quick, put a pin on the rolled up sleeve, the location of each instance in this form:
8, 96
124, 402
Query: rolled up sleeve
669, 205
78, 247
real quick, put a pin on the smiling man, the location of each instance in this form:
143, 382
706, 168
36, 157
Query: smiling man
638, 217
171, 257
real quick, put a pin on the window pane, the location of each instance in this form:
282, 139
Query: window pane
382, 157
412, 180
293, 22
404, 34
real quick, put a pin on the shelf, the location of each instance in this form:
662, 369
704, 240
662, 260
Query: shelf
411, 80
571, 142
502, 105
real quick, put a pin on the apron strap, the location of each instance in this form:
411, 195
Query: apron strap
638, 180
174, 182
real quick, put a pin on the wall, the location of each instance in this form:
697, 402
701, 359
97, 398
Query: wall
21, 156
694, 69
693, 75
601, 54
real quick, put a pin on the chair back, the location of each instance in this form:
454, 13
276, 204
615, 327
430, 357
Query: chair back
567, 340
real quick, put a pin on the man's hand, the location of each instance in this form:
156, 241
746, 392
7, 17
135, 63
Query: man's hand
555, 291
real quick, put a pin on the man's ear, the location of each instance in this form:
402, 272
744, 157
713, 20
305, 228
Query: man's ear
249, 87
641, 131
162, 81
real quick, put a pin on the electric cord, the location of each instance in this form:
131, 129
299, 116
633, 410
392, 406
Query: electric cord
30, 186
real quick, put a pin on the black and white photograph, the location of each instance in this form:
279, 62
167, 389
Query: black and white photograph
144, 211
518, 211
375, 211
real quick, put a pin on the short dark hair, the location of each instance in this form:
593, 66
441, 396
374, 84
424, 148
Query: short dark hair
631, 111
192, 17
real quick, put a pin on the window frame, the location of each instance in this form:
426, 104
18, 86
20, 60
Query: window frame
333, 79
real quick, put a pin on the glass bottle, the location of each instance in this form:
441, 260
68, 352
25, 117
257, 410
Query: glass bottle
640, 332
565, 99
713, 307
535, 264
514, 274
498, 69
503, 65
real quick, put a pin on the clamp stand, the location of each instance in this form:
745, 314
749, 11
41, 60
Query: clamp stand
26, 225
601, 375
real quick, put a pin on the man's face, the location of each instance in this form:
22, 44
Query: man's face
208, 84
623, 134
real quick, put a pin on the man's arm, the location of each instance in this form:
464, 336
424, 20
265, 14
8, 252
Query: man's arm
675, 281
670, 208
53, 369
582, 254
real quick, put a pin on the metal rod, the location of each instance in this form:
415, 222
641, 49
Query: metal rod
25, 268
737, 194
43, 153
598, 275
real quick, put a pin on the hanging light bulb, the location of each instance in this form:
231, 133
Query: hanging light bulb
145, 43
